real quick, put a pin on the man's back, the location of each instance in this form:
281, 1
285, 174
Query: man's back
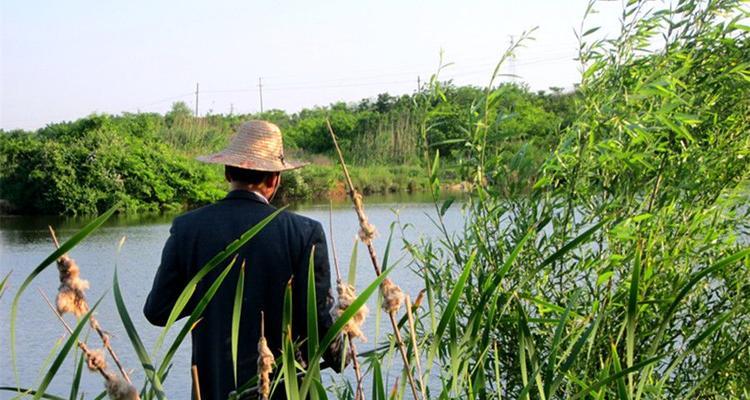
278, 253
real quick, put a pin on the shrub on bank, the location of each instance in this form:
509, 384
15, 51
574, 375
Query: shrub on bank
87, 166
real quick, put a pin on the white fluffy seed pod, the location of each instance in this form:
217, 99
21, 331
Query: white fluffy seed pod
347, 295
393, 297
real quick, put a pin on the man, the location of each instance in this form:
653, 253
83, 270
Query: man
279, 252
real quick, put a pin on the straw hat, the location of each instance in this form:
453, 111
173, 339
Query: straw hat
257, 145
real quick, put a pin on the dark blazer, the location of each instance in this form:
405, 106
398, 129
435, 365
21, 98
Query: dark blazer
277, 253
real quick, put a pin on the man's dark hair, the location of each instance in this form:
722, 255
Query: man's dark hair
246, 176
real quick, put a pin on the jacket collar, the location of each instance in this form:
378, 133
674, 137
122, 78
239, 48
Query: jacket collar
244, 194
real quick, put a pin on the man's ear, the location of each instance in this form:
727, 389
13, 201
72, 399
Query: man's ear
273, 179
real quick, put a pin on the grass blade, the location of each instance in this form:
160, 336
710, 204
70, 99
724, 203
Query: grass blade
29, 392
571, 245
352, 276
632, 314
135, 339
622, 392
4, 283
194, 316
715, 367
387, 252
450, 308
568, 363
288, 368
312, 324
378, 386
64, 248
604, 381
685, 290
76, 378
236, 315
552, 359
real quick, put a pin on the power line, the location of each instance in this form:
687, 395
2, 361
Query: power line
339, 83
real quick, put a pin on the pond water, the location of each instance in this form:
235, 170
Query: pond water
25, 241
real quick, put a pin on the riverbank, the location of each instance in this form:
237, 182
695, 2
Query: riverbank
315, 183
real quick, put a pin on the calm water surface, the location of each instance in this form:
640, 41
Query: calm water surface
25, 241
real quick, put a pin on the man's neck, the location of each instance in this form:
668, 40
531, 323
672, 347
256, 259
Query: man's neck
260, 190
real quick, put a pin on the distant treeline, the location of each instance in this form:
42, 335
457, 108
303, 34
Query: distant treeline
145, 160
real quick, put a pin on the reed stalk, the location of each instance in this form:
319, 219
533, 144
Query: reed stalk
366, 234
413, 336
97, 327
359, 395
84, 348
196, 383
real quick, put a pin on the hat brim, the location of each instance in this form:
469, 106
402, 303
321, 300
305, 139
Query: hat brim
250, 162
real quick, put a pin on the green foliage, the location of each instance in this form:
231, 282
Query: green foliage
641, 210
316, 181
87, 166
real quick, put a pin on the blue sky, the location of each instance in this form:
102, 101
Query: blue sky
61, 60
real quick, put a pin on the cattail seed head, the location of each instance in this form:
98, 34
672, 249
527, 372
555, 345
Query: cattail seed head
119, 389
347, 295
393, 297
71, 301
420, 299
70, 295
96, 360
265, 365
367, 231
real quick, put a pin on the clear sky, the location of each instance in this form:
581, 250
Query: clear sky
62, 60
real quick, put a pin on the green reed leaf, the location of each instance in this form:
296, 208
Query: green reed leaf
352, 276
312, 322
236, 315
685, 290
4, 283
622, 392
77, 378
378, 386
288, 368
135, 339
552, 358
604, 381
194, 317
26, 391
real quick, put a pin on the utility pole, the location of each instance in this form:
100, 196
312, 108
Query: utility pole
231, 108
260, 92
419, 84
512, 62
196, 99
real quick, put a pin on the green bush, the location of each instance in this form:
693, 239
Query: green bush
87, 166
